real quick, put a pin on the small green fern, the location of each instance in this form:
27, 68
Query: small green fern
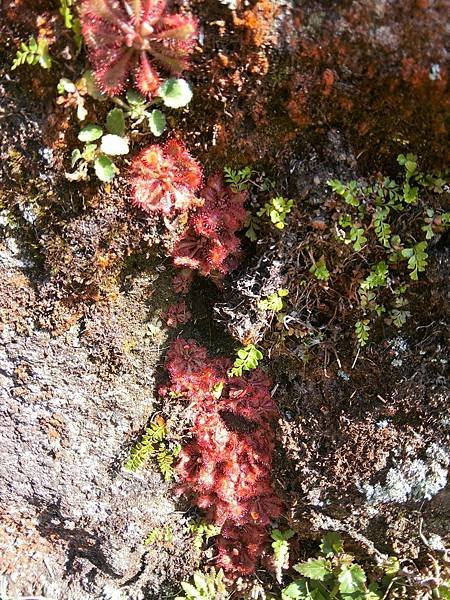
247, 359
362, 330
238, 180
36, 52
153, 444
207, 586
71, 21
202, 532
159, 535
165, 458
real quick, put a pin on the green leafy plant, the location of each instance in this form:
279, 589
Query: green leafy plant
362, 330
398, 314
370, 222
417, 259
355, 234
175, 93
75, 93
71, 93
112, 143
280, 547
160, 535
382, 229
277, 209
376, 278
349, 191
368, 301
427, 227
335, 575
319, 270
71, 21
238, 180
252, 226
202, 532
410, 192
156, 330
274, 302
247, 359
33, 53
146, 447
205, 586
165, 457
154, 444
138, 111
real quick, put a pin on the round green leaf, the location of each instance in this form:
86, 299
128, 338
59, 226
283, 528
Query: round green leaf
157, 122
175, 93
351, 579
105, 169
90, 133
115, 122
76, 155
133, 97
114, 145
314, 568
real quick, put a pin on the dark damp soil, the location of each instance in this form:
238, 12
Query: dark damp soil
299, 92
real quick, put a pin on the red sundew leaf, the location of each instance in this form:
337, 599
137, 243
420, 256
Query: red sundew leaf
107, 10
181, 282
112, 79
147, 79
152, 10
182, 161
178, 27
264, 509
178, 314
240, 547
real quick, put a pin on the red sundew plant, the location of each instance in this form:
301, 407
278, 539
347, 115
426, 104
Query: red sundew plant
181, 282
241, 547
178, 314
209, 243
164, 179
226, 468
135, 37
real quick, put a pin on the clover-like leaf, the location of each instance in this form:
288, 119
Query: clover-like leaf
44, 58
114, 145
75, 157
89, 152
105, 169
297, 590
115, 122
157, 122
90, 132
134, 98
175, 93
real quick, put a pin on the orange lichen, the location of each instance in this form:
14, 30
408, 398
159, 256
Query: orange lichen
257, 22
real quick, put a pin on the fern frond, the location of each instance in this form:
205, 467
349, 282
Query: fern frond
145, 448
